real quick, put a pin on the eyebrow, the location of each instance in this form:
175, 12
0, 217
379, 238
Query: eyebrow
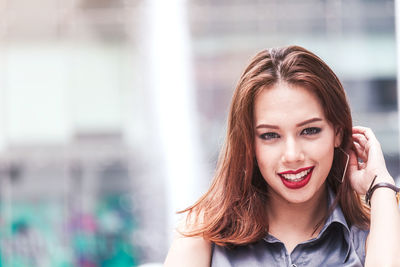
297, 125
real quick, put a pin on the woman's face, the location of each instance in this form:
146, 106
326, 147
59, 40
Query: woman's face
294, 142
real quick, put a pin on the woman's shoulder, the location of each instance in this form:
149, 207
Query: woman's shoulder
189, 251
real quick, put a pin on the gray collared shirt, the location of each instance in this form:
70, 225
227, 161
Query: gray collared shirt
336, 245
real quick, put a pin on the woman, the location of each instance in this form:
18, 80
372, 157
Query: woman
289, 186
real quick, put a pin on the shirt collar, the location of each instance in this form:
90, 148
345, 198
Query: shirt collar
336, 216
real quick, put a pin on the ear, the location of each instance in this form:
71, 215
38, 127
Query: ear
338, 136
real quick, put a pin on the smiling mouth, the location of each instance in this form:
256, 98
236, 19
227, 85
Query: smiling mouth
296, 176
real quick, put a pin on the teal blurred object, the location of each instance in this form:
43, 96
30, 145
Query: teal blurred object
115, 228
40, 235
31, 236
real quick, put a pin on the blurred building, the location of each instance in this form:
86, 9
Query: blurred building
82, 160
356, 39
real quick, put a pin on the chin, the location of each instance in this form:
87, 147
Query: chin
301, 196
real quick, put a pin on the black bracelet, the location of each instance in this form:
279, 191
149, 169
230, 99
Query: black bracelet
372, 188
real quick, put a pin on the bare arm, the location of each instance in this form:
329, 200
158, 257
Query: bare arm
189, 251
383, 243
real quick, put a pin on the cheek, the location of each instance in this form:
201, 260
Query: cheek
266, 157
260, 152
323, 153
319, 149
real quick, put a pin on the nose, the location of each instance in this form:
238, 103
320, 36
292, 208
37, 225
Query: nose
292, 151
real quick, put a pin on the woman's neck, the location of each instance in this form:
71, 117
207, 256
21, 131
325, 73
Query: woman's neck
297, 219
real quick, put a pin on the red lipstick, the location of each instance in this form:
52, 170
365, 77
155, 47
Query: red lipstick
296, 184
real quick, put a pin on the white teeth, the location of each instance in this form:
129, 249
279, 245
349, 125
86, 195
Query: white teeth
297, 176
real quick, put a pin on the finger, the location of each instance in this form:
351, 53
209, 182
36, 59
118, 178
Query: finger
361, 139
363, 142
359, 130
365, 137
361, 152
367, 132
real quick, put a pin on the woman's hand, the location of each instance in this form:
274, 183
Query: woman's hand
368, 151
385, 216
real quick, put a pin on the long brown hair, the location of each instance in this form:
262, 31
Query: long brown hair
233, 212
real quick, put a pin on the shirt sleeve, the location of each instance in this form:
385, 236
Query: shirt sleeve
358, 238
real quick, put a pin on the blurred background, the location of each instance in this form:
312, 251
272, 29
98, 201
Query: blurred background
112, 112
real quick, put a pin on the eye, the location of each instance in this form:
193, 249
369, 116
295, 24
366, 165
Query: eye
311, 131
269, 136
